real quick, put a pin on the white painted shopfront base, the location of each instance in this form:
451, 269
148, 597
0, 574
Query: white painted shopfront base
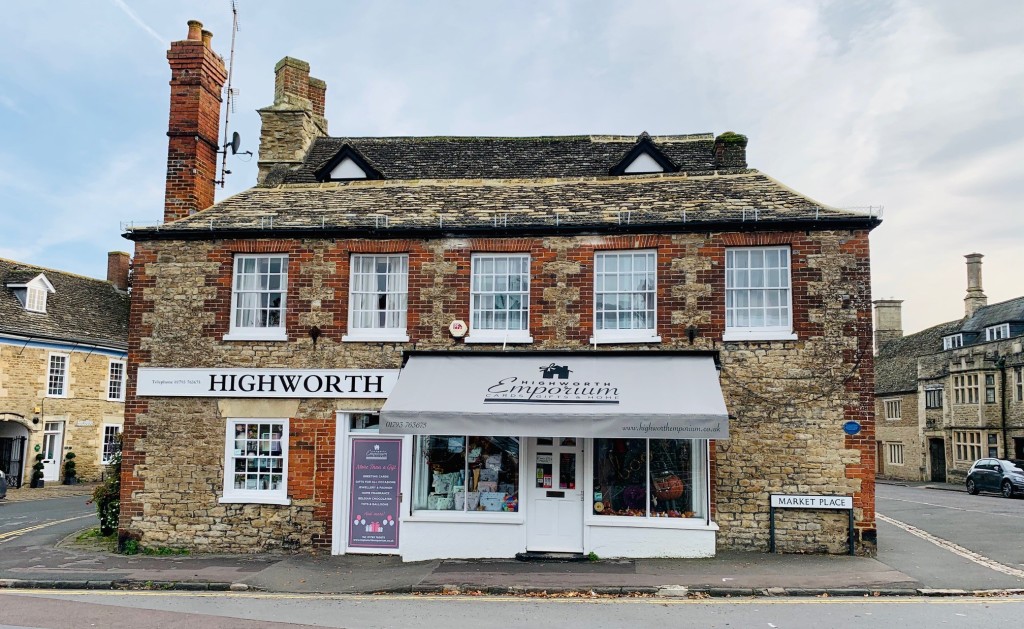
424, 540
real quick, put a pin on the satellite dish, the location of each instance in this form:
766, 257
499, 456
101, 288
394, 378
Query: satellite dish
236, 141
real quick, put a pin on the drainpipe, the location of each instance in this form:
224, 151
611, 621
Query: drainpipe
1001, 363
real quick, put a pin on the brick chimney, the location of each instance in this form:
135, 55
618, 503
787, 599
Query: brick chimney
975, 296
294, 120
118, 264
888, 321
197, 81
730, 150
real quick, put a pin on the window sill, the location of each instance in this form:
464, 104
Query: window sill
250, 336
759, 335
375, 338
608, 340
691, 524
230, 499
498, 340
471, 517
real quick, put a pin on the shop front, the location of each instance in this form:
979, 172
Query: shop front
569, 453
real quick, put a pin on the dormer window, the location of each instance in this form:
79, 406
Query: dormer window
347, 165
952, 341
32, 292
644, 157
996, 332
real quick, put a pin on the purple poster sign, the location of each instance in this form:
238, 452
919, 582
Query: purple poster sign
376, 475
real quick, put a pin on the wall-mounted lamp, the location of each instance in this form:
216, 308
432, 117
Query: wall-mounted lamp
35, 414
314, 333
691, 333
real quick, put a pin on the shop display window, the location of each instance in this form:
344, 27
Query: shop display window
649, 478
256, 466
460, 473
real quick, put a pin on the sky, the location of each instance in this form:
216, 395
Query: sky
916, 106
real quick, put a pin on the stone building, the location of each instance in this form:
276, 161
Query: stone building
63, 351
480, 347
953, 393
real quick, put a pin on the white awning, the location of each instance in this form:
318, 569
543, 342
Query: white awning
614, 394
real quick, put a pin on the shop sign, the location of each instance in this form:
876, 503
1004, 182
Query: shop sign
782, 501
264, 383
374, 497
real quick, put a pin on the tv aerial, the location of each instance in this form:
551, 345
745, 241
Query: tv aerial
229, 108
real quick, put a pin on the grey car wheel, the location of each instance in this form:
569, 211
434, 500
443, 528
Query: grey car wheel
1007, 489
971, 487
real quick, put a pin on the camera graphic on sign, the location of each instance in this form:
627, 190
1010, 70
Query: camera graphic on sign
553, 371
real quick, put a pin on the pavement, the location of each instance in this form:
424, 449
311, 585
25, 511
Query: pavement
73, 564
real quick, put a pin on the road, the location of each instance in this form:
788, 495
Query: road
950, 539
35, 523
249, 611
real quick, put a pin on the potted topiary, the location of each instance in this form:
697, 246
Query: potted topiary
37, 472
70, 476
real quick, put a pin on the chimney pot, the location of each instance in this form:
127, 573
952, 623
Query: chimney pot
195, 30
207, 38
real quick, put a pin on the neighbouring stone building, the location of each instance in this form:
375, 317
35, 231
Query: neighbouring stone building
953, 393
480, 347
63, 351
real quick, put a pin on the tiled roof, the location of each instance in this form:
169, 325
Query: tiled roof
505, 158
1011, 311
896, 363
485, 204
82, 309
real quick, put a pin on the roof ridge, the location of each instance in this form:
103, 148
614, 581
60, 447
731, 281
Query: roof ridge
52, 270
593, 137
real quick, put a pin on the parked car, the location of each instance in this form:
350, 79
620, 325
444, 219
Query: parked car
997, 475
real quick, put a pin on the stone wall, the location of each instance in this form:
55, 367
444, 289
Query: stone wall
790, 398
84, 411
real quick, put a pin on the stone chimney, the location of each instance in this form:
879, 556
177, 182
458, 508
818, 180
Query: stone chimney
975, 296
294, 120
197, 81
118, 264
730, 151
888, 321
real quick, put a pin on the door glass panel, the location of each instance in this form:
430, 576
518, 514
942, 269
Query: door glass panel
544, 441
544, 469
567, 471
569, 442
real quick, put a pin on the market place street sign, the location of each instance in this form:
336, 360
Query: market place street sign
782, 501
264, 383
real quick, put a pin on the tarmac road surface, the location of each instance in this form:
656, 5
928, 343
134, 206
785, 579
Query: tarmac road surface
115, 610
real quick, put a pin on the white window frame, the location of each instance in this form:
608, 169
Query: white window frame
256, 332
967, 445
104, 459
620, 335
490, 335
120, 382
396, 296
64, 374
931, 394
35, 299
997, 332
1019, 372
783, 332
894, 453
893, 409
952, 341
232, 495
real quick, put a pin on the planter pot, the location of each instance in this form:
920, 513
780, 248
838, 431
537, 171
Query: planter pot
37, 483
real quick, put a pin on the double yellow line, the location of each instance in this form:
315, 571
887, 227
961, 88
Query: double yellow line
4, 537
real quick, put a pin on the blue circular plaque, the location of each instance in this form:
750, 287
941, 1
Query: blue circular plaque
851, 427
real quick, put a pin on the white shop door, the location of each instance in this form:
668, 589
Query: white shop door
53, 448
554, 486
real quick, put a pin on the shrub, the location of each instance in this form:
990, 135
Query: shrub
69, 468
37, 471
107, 497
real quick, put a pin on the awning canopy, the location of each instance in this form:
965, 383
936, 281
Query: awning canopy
612, 394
